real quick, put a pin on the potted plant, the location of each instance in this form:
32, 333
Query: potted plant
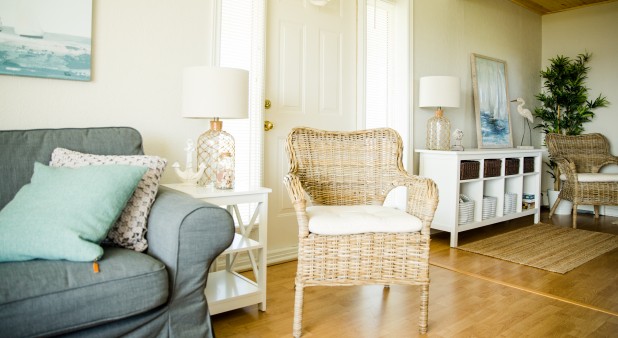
564, 104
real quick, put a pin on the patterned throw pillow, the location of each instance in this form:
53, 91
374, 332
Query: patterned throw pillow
130, 228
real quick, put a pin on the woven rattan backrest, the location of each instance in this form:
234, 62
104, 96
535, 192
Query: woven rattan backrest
346, 168
587, 150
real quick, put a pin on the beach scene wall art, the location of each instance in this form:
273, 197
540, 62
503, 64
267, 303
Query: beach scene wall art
491, 102
46, 38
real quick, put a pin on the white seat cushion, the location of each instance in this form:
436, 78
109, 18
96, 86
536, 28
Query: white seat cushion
599, 177
357, 219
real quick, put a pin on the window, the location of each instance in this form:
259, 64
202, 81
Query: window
383, 76
379, 64
240, 29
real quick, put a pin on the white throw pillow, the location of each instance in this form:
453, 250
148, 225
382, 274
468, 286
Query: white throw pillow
131, 227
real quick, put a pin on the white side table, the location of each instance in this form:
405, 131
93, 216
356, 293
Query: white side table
227, 290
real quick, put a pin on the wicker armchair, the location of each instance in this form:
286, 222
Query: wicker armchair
344, 176
579, 159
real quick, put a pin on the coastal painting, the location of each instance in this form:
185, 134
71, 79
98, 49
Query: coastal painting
46, 38
491, 102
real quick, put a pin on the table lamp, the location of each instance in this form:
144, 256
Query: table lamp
439, 92
216, 93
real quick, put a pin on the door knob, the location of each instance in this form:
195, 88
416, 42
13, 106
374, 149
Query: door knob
268, 125
267, 104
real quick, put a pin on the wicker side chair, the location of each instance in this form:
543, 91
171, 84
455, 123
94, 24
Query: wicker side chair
338, 182
579, 159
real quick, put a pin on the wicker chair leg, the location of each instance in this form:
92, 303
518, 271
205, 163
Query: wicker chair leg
554, 207
574, 216
596, 211
422, 323
298, 311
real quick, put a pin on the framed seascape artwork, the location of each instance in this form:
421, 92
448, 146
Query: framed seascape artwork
491, 102
50, 38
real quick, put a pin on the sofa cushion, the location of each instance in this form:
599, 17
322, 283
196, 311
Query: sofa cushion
64, 213
67, 295
130, 228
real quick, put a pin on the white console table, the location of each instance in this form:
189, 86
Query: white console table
226, 289
444, 168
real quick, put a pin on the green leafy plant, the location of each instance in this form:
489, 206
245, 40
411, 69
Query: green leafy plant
565, 105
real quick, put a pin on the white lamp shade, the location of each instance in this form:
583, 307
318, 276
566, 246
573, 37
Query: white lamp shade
209, 92
439, 91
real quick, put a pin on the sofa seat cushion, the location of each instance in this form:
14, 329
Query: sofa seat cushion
66, 296
358, 219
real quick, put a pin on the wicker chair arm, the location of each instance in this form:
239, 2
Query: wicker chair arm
568, 168
422, 199
607, 160
297, 196
588, 163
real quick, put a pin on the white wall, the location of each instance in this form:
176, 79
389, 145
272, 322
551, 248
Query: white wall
141, 46
593, 29
139, 49
447, 32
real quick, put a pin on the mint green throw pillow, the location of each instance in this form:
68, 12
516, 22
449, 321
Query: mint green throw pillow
64, 213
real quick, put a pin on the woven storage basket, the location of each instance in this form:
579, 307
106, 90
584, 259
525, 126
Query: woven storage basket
469, 170
510, 203
489, 207
511, 166
492, 168
528, 164
466, 209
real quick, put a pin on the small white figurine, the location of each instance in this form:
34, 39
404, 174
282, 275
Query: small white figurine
457, 135
188, 176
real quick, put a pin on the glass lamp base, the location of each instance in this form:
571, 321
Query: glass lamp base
438, 132
210, 146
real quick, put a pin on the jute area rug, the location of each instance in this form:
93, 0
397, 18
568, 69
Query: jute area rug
545, 246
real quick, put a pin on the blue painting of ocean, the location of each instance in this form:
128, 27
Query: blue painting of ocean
494, 131
46, 55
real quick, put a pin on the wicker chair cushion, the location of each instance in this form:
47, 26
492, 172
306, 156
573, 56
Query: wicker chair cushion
358, 219
597, 177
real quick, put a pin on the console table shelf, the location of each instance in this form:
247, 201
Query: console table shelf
444, 167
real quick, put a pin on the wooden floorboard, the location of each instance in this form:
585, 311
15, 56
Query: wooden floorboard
470, 296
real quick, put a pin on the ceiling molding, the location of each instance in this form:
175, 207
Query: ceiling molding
552, 6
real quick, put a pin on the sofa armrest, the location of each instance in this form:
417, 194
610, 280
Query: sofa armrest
187, 234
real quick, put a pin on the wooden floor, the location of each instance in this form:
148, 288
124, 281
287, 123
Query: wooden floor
470, 296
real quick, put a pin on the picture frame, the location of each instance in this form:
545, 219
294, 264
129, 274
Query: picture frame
47, 39
491, 102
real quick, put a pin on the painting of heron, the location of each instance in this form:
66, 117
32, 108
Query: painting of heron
491, 102
46, 38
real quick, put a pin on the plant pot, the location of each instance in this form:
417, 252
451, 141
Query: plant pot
564, 208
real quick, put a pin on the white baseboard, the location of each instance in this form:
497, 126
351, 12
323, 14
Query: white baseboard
282, 255
273, 257
605, 210
609, 211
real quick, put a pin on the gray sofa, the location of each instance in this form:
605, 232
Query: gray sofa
158, 293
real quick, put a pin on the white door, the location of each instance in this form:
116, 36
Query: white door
310, 81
